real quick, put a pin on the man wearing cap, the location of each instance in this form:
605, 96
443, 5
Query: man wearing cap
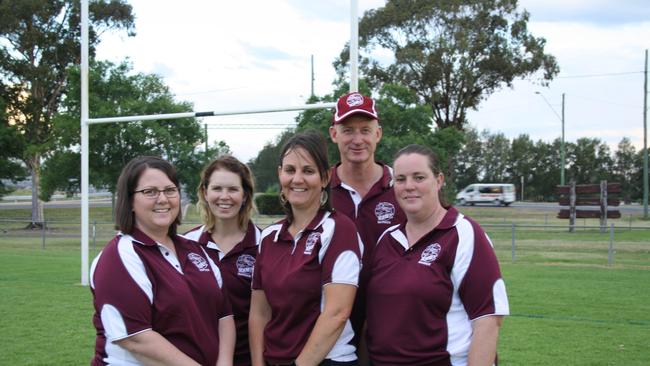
361, 188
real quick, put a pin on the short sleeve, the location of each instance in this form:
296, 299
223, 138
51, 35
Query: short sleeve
122, 290
340, 253
256, 281
482, 290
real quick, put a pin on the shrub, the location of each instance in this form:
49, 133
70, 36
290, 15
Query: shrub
268, 204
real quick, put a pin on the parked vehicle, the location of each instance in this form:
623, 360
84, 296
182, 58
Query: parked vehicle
496, 193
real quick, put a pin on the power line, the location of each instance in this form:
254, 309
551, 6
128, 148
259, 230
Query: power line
600, 75
210, 91
607, 102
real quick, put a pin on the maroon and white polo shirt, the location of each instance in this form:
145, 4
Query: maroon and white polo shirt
292, 273
139, 285
237, 271
422, 299
376, 212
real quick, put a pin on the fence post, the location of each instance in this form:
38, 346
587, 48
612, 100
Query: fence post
603, 206
572, 207
43, 224
610, 253
94, 235
514, 257
630, 222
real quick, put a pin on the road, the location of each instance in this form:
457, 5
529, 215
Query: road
553, 206
539, 206
54, 204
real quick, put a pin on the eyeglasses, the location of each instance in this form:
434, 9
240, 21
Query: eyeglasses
169, 192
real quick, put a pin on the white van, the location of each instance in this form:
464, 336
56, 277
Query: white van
496, 193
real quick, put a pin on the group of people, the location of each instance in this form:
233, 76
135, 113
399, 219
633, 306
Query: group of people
369, 266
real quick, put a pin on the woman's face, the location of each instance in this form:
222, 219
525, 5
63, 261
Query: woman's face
224, 194
155, 215
416, 186
300, 181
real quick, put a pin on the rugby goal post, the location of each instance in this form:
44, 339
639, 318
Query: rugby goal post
86, 121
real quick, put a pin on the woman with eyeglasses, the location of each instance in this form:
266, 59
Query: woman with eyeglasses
230, 237
149, 284
307, 269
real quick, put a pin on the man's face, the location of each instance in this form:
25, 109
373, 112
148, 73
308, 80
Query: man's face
357, 137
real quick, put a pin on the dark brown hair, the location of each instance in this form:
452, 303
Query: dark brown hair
432, 160
316, 147
127, 183
233, 165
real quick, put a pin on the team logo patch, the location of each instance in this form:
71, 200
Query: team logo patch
245, 264
385, 211
311, 242
199, 262
430, 254
354, 100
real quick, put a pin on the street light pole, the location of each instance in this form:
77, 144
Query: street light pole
562, 154
561, 118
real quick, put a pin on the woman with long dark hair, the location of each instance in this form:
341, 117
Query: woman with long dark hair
307, 270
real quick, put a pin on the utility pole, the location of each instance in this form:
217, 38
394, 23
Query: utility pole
562, 148
562, 151
312, 76
645, 138
205, 131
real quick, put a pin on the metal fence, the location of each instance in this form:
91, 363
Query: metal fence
620, 245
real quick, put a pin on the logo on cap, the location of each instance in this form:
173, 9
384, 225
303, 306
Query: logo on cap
354, 103
354, 100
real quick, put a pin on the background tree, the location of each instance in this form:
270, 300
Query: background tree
12, 144
625, 169
265, 165
451, 53
522, 162
118, 92
637, 178
468, 162
546, 171
589, 161
496, 158
40, 39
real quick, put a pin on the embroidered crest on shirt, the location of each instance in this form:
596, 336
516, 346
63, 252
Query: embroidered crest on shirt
245, 264
430, 254
311, 241
385, 211
199, 262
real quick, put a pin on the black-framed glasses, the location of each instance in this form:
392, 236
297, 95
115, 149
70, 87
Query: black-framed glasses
169, 192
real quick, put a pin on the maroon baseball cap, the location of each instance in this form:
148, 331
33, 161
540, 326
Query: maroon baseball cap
354, 103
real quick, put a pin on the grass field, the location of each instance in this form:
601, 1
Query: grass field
568, 306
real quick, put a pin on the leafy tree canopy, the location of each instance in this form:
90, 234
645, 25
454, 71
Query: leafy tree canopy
39, 41
116, 91
451, 53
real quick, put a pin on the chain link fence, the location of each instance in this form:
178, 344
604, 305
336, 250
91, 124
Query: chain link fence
625, 245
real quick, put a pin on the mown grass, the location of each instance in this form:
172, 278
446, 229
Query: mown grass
568, 306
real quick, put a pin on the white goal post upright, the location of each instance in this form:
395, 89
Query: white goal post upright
86, 121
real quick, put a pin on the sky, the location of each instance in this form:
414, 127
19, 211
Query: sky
256, 54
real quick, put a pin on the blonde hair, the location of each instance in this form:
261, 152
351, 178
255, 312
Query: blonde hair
231, 164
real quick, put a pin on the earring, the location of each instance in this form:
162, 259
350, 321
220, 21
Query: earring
283, 199
323, 197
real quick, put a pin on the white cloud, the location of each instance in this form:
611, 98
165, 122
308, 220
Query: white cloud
256, 53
